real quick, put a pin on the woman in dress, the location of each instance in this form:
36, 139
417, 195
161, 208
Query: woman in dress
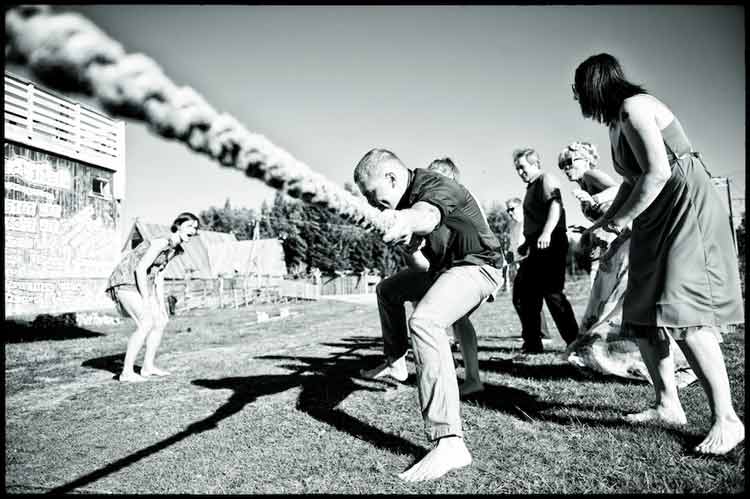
136, 285
600, 346
683, 278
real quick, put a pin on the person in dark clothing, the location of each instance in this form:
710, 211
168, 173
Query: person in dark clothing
541, 276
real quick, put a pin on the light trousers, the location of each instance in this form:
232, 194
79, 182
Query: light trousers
441, 299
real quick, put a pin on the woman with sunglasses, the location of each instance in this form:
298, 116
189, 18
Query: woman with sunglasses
136, 285
683, 279
600, 346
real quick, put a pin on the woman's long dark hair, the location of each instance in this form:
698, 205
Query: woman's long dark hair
601, 87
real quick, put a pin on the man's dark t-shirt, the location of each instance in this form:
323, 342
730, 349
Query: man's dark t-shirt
539, 194
463, 236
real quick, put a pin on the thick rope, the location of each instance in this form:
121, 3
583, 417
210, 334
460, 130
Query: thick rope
69, 53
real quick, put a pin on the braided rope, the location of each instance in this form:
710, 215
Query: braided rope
69, 53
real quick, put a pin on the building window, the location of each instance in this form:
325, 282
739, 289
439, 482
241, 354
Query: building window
100, 187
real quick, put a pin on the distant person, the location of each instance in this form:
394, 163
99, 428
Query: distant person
600, 345
542, 272
463, 330
136, 285
467, 271
514, 209
683, 279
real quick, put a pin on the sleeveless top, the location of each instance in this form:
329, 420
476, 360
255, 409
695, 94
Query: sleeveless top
675, 142
683, 268
124, 272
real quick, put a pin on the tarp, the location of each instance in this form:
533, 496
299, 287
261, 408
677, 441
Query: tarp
261, 256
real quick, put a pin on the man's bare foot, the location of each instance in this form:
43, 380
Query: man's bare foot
671, 415
154, 371
722, 437
450, 453
470, 387
395, 370
131, 377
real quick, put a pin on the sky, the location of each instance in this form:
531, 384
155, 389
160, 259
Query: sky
328, 83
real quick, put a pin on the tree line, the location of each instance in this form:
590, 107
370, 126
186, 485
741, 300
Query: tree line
315, 238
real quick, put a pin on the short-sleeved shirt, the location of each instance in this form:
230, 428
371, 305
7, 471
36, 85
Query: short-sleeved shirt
540, 192
463, 236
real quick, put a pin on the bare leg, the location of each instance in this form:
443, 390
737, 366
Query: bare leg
133, 304
660, 364
450, 453
543, 322
703, 353
152, 344
467, 340
154, 339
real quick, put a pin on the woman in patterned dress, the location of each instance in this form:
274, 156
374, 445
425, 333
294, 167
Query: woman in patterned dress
683, 279
136, 285
600, 344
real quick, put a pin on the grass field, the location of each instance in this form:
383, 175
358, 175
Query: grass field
277, 408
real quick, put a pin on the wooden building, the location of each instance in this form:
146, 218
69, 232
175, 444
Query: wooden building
64, 170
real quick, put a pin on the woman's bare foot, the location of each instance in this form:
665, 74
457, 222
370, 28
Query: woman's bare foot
131, 377
154, 371
671, 415
450, 453
723, 436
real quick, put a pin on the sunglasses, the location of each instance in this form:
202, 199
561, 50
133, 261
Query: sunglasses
566, 163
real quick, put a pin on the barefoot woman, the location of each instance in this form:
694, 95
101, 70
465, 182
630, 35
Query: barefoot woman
137, 288
683, 279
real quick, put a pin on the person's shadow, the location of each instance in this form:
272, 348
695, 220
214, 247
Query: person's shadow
328, 381
325, 382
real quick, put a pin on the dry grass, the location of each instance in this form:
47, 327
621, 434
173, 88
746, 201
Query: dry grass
277, 408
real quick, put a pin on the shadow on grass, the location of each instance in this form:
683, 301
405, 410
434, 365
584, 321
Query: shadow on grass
549, 372
528, 407
507, 350
15, 331
111, 363
325, 382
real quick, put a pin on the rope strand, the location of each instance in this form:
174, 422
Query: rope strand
69, 53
